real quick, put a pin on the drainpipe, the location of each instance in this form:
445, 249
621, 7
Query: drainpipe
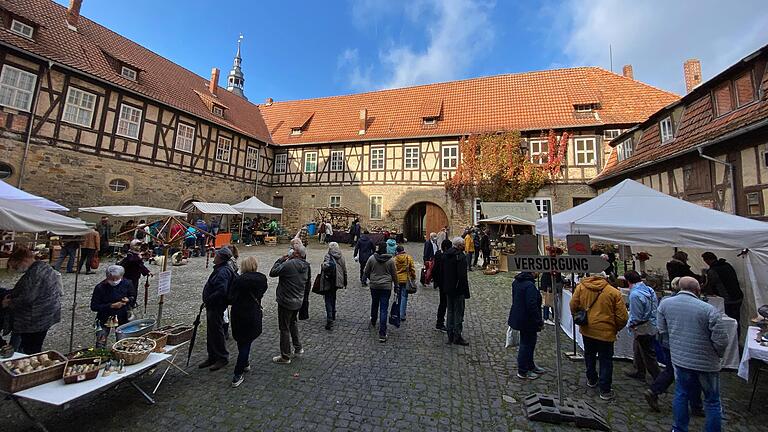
731, 171
35, 97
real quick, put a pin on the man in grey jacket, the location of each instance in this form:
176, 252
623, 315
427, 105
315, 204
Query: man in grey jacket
697, 341
293, 285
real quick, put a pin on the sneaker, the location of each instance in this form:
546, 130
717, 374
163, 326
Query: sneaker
247, 368
281, 360
460, 341
205, 364
237, 380
591, 384
298, 352
539, 370
441, 327
382, 339
652, 399
527, 375
218, 365
606, 396
549, 322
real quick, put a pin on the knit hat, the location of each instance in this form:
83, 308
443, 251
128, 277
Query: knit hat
224, 253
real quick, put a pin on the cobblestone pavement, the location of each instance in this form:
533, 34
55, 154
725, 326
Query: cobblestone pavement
347, 380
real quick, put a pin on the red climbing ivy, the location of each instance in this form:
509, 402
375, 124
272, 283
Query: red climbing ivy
556, 154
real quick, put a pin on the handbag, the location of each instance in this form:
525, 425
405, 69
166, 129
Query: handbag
423, 277
580, 317
94, 261
394, 314
513, 338
317, 285
411, 287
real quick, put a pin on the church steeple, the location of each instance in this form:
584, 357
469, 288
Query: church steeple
235, 79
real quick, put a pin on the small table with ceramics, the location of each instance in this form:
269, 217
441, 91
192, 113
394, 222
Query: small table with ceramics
753, 350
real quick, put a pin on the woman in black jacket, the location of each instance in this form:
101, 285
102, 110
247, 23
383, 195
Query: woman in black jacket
245, 297
437, 277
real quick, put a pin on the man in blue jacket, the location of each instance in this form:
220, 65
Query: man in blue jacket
525, 317
215, 299
363, 251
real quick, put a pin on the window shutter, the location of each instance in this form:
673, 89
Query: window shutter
745, 90
723, 102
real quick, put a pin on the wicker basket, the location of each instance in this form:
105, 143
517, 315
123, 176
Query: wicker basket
76, 378
160, 338
179, 334
132, 358
12, 383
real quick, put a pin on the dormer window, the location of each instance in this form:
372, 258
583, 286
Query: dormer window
217, 111
431, 110
295, 131
665, 127
300, 122
129, 73
582, 108
22, 29
429, 121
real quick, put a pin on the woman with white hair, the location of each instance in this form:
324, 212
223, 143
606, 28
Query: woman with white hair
334, 277
111, 298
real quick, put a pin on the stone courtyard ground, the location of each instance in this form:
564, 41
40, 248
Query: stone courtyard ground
347, 380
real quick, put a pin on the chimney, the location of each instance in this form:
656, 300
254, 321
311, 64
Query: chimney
214, 83
269, 102
363, 121
73, 13
692, 72
627, 72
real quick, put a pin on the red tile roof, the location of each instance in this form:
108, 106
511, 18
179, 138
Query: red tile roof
159, 78
526, 101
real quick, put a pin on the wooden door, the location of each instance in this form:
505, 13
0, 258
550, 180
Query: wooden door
435, 219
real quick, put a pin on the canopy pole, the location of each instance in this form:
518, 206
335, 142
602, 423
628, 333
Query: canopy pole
74, 301
558, 300
162, 296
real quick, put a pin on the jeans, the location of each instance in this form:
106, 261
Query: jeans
102, 336
688, 382
525, 362
595, 350
85, 258
31, 343
403, 299
330, 305
243, 354
214, 327
476, 256
441, 308
68, 253
469, 259
380, 304
455, 306
486, 258
363, 279
645, 355
289, 332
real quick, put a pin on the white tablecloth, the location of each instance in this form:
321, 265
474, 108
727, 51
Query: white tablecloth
623, 346
752, 350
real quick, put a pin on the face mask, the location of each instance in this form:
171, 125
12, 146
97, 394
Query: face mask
290, 252
114, 283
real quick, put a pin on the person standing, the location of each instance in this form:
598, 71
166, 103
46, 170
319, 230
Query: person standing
723, 281
364, 249
215, 295
321, 232
328, 231
354, 232
381, 271
134, 270
525, 317
549, 288
35, 300
469, 248
697, 343
678, 266
476, 242
406, 271
334, 270
442, 235
438, 278
68, 251
428, 257
606, 315
642, 326
245, 297
111, 298
89, 248
294, 274
391, 245
105, 232
456, 287
485, 247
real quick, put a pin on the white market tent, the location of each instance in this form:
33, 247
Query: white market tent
131, 211
11, 193
507, 219
254, 205
215, 208
21, 217
636, 215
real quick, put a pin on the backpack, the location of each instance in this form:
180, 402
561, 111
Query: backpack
330, 273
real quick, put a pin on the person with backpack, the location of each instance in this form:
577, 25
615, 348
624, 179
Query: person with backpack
215, 295
334, 277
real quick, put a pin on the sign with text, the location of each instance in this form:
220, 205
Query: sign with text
526, 244
578, 244
164, 283
562, 264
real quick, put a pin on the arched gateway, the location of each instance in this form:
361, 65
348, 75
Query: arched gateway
423, 218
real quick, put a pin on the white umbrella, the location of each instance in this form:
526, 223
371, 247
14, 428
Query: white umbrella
11, 193
20, 217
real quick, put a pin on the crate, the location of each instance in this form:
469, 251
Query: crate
179, 334
12, 383
76, 378
270, 240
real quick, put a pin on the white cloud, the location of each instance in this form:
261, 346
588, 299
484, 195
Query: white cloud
657, 36
456, 31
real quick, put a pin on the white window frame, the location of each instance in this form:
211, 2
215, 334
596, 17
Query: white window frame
449, 161
583, 108
128, 73
337, 199
376, 200
127, 120
543, 149
411, 161
665, 130
217, 111
22, 29
540, 203
625, 149
586, 152
224, 149
15, 89
477, 211
281, 163
183, 139
307, 161
378, 157
610, 134
429, 121
295, 131
73, 109
251, 158
336, 163
122, 185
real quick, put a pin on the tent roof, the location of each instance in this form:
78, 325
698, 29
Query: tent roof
633, 214
215, 208
521, 210
14, 194
507, 219
254, 205
131, 211
17, 216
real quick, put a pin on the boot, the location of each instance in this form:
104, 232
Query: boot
458, 340
328, 324
450, 338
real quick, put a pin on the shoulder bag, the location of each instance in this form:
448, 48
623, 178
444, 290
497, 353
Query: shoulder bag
411, 287
580, 317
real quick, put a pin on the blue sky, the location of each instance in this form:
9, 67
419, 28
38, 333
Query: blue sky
305, 49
